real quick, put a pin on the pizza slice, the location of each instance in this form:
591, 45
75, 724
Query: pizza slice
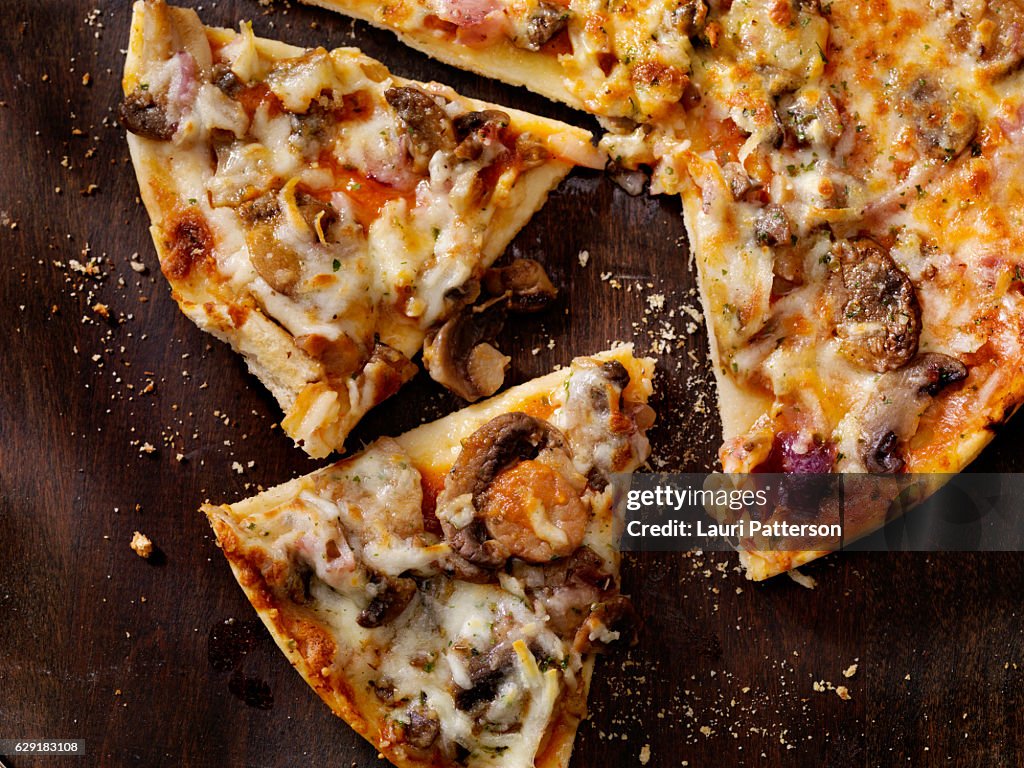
852, 200
445, 592
628, 59
324, 217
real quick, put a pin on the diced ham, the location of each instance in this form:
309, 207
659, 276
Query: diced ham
480, 22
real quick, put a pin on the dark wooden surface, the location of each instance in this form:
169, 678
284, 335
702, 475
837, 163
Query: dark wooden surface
158, 663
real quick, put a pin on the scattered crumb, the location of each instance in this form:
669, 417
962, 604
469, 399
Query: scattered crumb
147, 448
141, 545
802, 579
584, 257
850, 671
645, 754
842, 692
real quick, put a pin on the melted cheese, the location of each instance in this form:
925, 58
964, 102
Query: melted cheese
392, 241
362, 517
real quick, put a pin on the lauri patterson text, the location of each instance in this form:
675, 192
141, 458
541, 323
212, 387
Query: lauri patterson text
739, 529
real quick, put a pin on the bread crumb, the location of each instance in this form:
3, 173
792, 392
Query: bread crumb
843, 692
850, 671
802, 579
645, 754
141, 545
147, 448
584, 257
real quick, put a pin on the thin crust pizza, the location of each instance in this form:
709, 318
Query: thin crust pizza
445, 592
853, 207
851, 176
325, 217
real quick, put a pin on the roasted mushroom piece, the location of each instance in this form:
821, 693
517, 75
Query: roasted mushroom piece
528, 285
392, 596
613, 621
475, 131
810, 117
513, 491
423, 728
891, 415
990, 31
428, 125
880, 321
690, 16
145, 115
546, 21
460, 354
601, 424
943, 120
567, 588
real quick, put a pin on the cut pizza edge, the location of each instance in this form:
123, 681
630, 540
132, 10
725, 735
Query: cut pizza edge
548, 674
535, 70
188, 232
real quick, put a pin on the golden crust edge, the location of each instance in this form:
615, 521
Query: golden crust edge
535, 71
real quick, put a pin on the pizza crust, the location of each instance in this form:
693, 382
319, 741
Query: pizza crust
537, 71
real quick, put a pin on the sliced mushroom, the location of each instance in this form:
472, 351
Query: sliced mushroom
423, 727
689, 16
546, 21
810, 117
881, 320
513, 491
529, 286
475, 131
531, 151
892, 414
989, 31
771, 227
226, 80
612, 622
943, 121
460, 354
145, 115
567, 588
486, 673
632, 181
278, 264
428, 125
320, 217
393, 596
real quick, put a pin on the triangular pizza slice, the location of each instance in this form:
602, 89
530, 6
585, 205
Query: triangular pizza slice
324, 216
852, 178
445, 591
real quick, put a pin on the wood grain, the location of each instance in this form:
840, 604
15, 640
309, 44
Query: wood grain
96, 643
